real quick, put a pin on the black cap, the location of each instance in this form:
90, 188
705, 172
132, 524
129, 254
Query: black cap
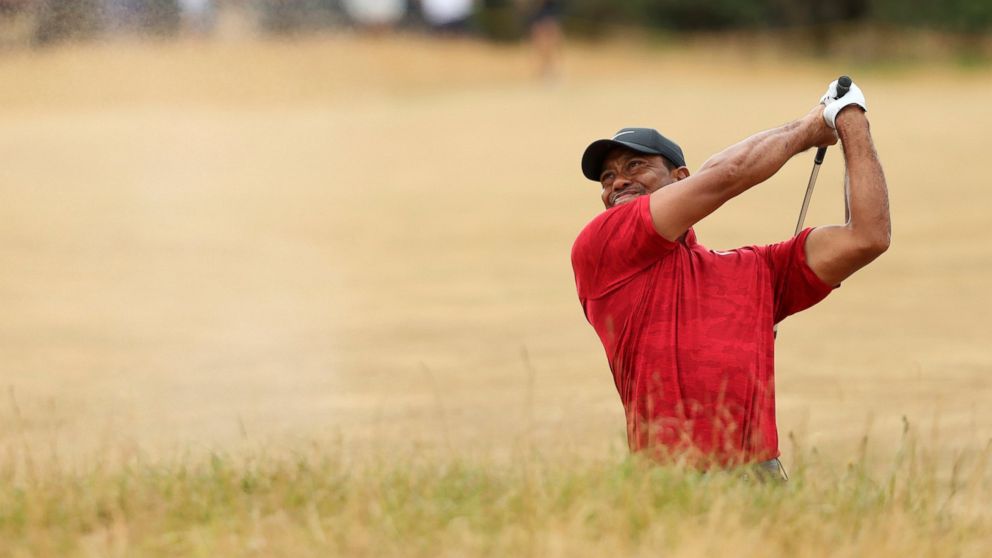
642, 140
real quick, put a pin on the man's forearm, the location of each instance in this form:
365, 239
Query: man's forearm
867, 194
760, 156
729, 173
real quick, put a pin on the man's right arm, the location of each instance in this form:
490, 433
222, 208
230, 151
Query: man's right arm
678, 206
835, 252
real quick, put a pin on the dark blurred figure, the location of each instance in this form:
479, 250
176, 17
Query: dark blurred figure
499, 20
448, 17
546, 34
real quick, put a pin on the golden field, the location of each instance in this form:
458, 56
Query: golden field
357, 250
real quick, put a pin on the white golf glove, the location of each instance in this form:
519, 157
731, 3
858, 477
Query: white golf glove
834, 105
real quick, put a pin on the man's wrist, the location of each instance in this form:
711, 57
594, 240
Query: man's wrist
813, 128
849, 118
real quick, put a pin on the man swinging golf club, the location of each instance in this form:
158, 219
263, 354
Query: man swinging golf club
688, 331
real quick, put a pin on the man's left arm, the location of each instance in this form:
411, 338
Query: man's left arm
835, 252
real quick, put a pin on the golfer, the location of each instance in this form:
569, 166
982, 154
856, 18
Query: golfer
688, 331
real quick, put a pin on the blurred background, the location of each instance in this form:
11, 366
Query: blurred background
815, 27
348, 222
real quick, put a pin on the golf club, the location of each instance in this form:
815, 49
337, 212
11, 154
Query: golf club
843, 86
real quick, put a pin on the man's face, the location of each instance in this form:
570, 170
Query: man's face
628, 174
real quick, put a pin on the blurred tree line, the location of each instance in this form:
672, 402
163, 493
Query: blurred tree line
507, 19
968, 16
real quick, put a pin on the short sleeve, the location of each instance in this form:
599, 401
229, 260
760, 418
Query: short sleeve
796, 287
615, 246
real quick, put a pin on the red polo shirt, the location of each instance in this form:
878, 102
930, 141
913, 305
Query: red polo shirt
688, 332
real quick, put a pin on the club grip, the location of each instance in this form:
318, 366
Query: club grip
843, 86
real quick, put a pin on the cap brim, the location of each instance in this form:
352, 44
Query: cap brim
595, 154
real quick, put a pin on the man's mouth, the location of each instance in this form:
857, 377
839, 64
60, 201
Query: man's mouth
624, 195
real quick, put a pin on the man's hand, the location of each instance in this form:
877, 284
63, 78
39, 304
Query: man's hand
834, 105
820, 134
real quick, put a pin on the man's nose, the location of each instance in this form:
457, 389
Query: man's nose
620, 181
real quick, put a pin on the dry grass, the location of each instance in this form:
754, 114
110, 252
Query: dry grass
317, 504
363, 245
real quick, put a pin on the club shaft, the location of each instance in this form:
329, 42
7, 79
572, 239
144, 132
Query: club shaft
843, 86
817, 161
809, 195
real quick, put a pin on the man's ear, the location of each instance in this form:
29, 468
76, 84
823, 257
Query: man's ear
681, 173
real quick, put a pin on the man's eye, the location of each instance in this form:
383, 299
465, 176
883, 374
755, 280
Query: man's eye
606, 177
634, 164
